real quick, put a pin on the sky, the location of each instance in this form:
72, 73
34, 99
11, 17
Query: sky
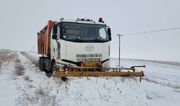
20, 20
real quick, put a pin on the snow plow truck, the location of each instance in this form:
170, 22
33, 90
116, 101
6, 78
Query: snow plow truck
78, 48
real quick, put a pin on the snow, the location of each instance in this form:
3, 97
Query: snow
7, 88
8, 91
97, 91
161, 82
159, 95
160, 86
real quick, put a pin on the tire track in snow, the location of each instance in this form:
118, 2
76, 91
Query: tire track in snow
30, 85
34, 61
30, 58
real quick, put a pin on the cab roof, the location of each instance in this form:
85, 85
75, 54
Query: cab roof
82, 20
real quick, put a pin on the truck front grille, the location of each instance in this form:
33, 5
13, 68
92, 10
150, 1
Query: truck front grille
88, 57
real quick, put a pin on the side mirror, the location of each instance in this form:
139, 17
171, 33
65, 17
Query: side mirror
109, 33
54, 35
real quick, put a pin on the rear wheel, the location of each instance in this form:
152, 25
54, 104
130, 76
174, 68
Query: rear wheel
41, 64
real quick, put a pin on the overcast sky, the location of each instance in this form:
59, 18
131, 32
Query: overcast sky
20, 20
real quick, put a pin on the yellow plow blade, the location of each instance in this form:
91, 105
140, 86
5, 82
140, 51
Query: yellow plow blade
75, 71
97, 74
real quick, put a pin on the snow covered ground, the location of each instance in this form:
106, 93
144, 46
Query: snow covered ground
23, 84
161, 82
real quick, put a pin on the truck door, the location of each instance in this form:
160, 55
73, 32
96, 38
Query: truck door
55, 44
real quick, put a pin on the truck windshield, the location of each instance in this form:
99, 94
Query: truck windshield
84, 32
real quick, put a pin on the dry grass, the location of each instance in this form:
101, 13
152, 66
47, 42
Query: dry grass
40, 92
11, 56
27, 78
0, 64
17, 61
6, 56
39, 96
44, 97
3, 57
19, 69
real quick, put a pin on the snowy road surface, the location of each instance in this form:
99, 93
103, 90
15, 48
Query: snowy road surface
23, 84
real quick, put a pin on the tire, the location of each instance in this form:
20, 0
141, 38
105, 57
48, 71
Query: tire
47, 64
41, 64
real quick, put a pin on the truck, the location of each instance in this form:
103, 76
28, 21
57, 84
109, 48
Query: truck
79, 47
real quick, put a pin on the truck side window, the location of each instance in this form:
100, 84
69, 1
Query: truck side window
102, 33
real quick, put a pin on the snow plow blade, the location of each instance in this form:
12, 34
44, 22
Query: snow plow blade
73, 71
97, 74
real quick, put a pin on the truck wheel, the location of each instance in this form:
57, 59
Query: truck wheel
48, 66
41, 64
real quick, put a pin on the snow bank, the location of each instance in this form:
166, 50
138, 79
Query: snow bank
41, 90
8, 88
31, 87
8, 91
95, 91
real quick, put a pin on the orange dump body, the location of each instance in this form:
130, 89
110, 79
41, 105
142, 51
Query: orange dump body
44, 39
